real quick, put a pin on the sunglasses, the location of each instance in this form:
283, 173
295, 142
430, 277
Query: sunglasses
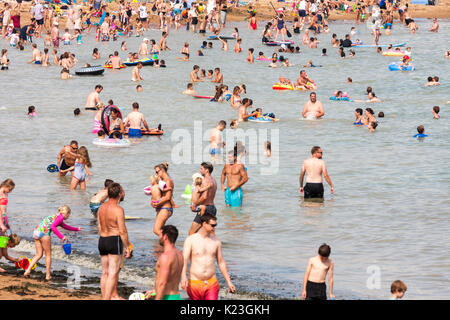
213, 225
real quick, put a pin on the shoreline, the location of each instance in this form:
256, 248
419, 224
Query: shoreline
264, 12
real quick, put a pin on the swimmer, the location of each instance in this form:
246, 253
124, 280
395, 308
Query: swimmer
313, 109
138, 88
115, 60
268, 148
372, 126
349, 80
372, 98
370, 115
100, 197
143, 49
250, 57
242, 113
237, 47
236, 176
273, 64
190, 89
435, 26
286, 63
413, 27
235, 100
123, 46
4, 61
314, 287
32, 111
398, 290
360, 120
436, 110
218, 76
224, 43
420, 132
65, 74
215, 139
431, 82
447, 54
184, 58
194, 75
93, 98
134, 122
200, 53
381, 114
116, 124
36, 55
304, 81
324, 52
234, 124
76, 112
135, 74
285, 81
80, 169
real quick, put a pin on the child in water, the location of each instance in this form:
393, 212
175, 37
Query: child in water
421, 132
80, 169
436, 110
100, 196
398, 290
32, 111
42, 238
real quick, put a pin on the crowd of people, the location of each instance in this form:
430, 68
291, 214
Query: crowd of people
202, 249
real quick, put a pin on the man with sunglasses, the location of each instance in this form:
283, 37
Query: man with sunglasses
202, 249
70, 154
314, 167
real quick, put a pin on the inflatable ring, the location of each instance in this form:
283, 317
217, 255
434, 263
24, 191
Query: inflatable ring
105, 117
112, 143
109, 66
90, 71
145, 62
52, 168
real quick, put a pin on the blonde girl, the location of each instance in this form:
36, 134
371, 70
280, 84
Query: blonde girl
42, 238
5, 187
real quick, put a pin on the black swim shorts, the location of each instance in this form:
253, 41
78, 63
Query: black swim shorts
313, 190
40, 22
210, 209
316, 291
110, 245
64, 165
194, 20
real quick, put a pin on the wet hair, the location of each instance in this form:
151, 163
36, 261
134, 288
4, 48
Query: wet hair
135, 105
349, 79
359, 110
369, 89
31, 109
324, 50
100, 133
398, 286
381, 114
164, 166
99, 86
370, 111
108, 182
430, 79
268, 145
76, 112
171, 232
245, 100
436, 109
436, 78
114, 190
251, 50
223, 122
207, 217
421, 129
324, 250
208, 165
8, 183
315, 149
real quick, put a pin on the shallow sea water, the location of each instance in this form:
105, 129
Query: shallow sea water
388, 215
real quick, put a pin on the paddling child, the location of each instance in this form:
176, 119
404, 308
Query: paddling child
420, 132
190, 89
314, 287
436, 110
42, 238
100, 196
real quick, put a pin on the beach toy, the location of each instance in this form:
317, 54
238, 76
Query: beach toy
152, 132
136, 296
187, 192
345, 94
155, 57
131, 246
4, 242
147, 190
202, 97
24, 263
52, 168
67, 248
396, 67
91, 71
112, 142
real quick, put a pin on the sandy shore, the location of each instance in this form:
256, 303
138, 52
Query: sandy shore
264, 11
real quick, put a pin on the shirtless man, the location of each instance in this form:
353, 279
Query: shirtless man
194, 75
236, 176
242, 113
100, 197
435, 26
55, 35
202, 249
215, 139
313, 109
314, 287
134, 121
219, 76
70, 154
135, 75
305, 81
164, 208
36, 55
189, 89
113, 240
93, 98
163, 41
115, 60
314, 167
143, 49
208, 192
168, 268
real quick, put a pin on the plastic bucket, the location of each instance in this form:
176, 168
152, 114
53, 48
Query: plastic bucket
67, 248
4, 241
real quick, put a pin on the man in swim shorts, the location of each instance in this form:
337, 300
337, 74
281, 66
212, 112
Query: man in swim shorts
203, 249
215, 138
236, 176
168, 268
70, 154
313, 109
314, 167
134, 121
113, 241
209, 188
93, 98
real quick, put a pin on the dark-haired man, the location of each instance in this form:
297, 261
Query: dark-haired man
215, 139
69, 153
208, 192
314, 167
202, 249
134, 121
169, 267
93, 98
236, 176
113, 240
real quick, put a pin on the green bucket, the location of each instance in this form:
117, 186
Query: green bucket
4, 241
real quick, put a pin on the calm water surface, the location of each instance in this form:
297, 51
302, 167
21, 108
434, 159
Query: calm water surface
390, 207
